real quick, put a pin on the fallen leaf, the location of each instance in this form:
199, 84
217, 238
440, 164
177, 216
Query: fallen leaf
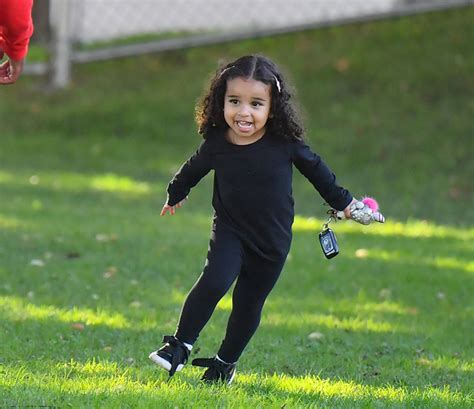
315, 336
412, 311
342, 64
106, 237
34, 179
135, 304
361, 253
454, 192
110, 272
385, 293
35, 108
78, 325
101, 237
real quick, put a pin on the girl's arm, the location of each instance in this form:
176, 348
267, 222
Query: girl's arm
188, 176
320, 176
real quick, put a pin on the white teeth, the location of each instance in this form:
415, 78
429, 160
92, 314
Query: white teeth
244, 126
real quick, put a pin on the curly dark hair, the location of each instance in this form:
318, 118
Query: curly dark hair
283, 120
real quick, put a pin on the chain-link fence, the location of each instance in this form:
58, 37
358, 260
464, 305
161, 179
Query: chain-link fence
89, 30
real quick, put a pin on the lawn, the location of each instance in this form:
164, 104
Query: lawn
91, 277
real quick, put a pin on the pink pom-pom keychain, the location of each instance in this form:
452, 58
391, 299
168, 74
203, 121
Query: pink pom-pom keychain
363, 211
360, 215
371, 202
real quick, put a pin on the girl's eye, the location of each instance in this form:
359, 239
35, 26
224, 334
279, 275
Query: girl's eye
256, 104
234, 101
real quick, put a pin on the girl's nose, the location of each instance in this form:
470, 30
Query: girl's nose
244, 110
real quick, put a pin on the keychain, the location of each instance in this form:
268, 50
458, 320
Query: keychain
327, 239
363, 211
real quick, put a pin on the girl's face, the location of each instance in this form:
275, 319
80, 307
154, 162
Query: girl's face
246, 109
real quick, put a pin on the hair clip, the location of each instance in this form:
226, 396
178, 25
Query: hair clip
225, 69
277, 83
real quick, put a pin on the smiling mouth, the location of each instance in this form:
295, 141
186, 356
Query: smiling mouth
244, 126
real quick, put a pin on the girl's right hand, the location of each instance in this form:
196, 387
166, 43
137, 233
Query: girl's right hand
171, 209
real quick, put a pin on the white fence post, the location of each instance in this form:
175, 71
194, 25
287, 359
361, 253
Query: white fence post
60, 17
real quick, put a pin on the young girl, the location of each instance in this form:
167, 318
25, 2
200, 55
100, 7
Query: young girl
252, 137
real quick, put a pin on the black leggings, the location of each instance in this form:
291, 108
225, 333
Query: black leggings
229, 258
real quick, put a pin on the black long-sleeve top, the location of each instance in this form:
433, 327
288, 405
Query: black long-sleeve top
253, 187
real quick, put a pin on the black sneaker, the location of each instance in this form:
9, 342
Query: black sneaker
172, 356
217, 371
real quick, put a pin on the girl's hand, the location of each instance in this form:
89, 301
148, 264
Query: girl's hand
347, 210
363, 212
171, 209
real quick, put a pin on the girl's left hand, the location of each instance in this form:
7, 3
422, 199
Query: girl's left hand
347, 210
363, 212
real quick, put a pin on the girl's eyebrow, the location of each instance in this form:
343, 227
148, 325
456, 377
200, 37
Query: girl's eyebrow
255, 98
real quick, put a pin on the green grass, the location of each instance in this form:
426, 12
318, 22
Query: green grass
91, 277
139, 39
37, 53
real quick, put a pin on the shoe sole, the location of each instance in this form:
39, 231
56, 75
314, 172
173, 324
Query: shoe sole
215, 381
163, 363
232, 378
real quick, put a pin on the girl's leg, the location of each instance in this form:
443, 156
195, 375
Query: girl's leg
224, 260
255, 282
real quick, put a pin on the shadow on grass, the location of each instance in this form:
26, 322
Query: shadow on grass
400, 357
107, 383
394, 318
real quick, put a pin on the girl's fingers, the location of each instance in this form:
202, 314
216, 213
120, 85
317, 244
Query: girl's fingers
171, 209
178, 205
165, 209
